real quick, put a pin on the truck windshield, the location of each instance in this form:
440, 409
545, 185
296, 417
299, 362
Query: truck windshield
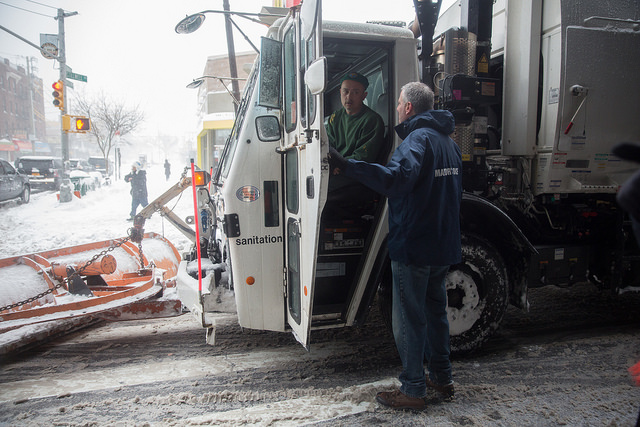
232, 141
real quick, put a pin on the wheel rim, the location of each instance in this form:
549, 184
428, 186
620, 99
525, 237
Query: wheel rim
464, 302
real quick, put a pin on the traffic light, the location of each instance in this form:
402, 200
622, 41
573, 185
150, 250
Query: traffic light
76, 124
58, 94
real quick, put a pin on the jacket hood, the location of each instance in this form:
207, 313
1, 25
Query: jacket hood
440, 120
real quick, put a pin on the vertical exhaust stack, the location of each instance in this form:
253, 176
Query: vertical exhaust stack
476, 18
464, 86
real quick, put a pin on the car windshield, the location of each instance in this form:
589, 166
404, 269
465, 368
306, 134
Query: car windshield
6, 168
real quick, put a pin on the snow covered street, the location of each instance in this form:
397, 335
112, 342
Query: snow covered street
161, 372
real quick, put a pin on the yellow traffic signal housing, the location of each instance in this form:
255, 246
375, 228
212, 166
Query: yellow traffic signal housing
58, 94
76, 124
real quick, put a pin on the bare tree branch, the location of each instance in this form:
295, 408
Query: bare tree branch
109, 119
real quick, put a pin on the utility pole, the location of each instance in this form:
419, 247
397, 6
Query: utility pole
64, 136
233, 67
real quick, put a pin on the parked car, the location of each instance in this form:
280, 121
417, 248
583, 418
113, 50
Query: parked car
43, 171
13, 184
100, 164
80, 164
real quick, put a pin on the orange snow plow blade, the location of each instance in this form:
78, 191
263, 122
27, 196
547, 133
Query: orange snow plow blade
97, 280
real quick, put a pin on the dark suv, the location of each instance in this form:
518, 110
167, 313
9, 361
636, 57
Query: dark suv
100, 164
13, 184
43, 171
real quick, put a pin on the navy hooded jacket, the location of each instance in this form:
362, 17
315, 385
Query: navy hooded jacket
423, 184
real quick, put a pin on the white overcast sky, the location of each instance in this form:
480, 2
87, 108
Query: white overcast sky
129, 49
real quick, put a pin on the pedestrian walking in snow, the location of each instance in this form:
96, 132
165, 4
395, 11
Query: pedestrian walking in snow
167, 169
138, 180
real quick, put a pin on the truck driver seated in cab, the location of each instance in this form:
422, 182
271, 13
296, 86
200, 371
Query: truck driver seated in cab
356, 132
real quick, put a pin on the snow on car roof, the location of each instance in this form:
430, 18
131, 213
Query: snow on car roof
39, 158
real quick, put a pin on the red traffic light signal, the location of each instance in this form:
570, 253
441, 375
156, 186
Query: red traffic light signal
58, 94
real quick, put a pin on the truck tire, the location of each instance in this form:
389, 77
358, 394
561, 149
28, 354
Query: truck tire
477, 295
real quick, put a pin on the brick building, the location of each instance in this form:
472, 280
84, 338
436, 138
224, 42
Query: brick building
22, 117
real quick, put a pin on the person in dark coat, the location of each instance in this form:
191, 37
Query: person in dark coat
628, 198
167, 169
423, 183
138, 180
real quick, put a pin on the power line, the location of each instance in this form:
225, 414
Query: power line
42, 4
26, 10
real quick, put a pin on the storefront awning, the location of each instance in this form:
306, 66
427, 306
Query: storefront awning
6, 145
23, 145
42, 147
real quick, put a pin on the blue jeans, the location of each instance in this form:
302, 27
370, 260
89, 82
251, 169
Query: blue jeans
135, 201
420, 325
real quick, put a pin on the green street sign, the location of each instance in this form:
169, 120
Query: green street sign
74, 76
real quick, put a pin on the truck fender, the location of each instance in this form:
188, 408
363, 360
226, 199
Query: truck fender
480, 217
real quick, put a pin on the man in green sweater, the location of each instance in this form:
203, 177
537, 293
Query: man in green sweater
355, 131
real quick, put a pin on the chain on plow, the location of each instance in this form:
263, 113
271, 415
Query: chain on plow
65, 281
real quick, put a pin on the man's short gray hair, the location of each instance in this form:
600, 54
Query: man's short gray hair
419, 95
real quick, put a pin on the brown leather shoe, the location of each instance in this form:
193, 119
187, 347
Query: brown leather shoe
398, 400
447, 390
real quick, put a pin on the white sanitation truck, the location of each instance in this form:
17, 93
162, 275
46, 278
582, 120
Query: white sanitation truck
541, 92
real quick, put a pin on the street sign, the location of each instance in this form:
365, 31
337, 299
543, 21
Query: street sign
74, 76
49, 44
49, 50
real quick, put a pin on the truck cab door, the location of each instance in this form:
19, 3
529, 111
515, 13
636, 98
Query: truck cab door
305, 171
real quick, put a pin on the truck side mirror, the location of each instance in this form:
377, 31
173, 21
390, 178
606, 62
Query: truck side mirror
316, 76
309, 17
268, 128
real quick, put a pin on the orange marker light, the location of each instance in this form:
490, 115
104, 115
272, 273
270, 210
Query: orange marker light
250, 280
305, 291
201, 178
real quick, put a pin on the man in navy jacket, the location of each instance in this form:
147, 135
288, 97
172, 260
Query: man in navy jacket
423, 184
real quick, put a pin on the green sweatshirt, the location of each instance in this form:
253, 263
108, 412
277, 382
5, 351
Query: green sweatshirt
358, 137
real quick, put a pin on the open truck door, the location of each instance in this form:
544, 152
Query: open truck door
304, 150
